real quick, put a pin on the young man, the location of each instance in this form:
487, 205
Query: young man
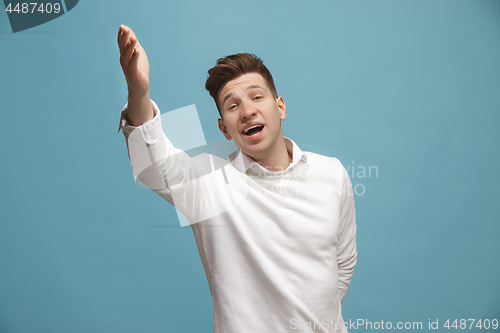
275, 226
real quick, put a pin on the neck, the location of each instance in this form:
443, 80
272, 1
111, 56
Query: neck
277, 159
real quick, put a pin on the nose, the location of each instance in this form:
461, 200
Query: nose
248, 111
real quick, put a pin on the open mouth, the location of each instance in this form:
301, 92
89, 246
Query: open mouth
253, 130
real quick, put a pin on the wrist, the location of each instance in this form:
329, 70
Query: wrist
140, 109
138, 94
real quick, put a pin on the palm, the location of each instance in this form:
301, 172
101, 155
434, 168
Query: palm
138, 76
134, 61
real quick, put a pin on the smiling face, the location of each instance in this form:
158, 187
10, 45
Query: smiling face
251, 116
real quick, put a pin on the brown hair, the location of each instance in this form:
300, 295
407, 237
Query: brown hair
230, 68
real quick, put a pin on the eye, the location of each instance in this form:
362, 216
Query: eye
257, 97
231, 107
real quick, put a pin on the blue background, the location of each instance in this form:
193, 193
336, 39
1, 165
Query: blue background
411, 87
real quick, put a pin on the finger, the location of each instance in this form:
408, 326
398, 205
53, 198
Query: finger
130, 34
120, 33
134, 60
124, 39
127, 53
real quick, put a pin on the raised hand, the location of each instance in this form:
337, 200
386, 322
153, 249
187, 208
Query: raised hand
135, 66
134, 62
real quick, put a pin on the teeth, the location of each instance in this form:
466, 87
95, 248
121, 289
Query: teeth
246, 131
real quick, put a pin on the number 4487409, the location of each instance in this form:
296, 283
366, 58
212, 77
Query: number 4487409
469, 323
25, 8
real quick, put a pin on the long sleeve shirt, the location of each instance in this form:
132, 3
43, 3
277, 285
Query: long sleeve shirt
278, 248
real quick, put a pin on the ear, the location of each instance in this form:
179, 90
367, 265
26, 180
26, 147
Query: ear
223, 129
281, 107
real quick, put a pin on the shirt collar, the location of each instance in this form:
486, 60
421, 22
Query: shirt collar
242, 162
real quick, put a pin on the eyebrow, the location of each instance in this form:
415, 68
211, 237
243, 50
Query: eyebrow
253, 86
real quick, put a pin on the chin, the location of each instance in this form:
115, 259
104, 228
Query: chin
256, 152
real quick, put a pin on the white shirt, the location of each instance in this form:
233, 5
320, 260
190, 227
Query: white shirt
278, 248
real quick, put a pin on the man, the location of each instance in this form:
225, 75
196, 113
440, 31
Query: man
275, 226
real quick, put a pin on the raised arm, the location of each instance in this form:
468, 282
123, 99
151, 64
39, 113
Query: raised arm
135, 65
192, 185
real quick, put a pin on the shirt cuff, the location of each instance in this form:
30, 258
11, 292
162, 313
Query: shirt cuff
150, 130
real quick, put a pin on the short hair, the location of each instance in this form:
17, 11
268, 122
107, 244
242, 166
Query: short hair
232, 67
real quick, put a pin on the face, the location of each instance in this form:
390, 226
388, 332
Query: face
251, 116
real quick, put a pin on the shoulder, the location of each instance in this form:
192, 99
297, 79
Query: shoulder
328, 169
210, 159
321, 161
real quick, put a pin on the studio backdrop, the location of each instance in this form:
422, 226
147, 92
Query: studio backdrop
405, 93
